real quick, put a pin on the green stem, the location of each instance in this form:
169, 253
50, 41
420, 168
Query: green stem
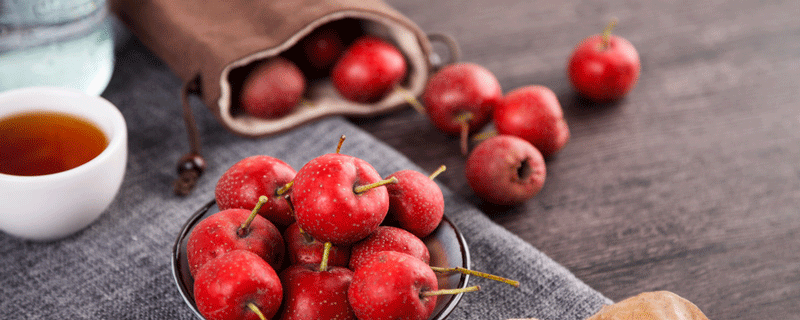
365, 188
607, 33
323, 265
484, 135
476, 273
307, 237
339, 146
254, 308
243, 229
291, 207
284, 188
449, 291
437, 172
413, 101
306, 103
463, 119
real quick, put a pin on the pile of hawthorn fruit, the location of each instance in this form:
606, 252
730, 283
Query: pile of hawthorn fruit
460, 99
351, 245
363, 68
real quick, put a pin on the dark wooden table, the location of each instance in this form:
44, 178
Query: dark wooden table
691, 184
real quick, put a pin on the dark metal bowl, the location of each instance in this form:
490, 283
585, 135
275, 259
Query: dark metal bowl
446, 245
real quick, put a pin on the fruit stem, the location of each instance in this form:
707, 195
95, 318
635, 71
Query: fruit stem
464, 119
365, 188
413, 101
484, 135
449, 291
341, 141
254, 308
285, 188
305, 235
437, 172
243, 229
306, 103
323, 265
476, 273
607, 33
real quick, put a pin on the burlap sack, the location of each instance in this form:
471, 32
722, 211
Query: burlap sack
211, 44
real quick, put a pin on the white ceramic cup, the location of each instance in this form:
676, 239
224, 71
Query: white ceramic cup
53, 206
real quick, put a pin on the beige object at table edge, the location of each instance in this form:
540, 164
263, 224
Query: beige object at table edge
53, 206
657, 305
651, 305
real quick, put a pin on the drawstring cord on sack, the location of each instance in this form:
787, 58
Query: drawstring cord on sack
191, 166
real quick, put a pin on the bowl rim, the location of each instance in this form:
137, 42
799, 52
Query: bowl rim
193, 219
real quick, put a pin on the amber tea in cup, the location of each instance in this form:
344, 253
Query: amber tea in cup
46, 142
63, 155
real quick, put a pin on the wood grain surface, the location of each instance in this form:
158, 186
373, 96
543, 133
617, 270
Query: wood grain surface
691, 184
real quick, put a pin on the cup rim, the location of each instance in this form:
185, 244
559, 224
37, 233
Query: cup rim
117, 138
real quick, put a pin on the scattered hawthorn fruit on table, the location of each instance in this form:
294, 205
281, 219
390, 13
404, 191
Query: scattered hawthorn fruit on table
244, 182
459, 99
505, 170
272, 89
416, 203
368, 70
534, 114
237, 285
234, 229
604, 67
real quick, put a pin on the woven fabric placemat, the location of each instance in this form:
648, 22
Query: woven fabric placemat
119, 267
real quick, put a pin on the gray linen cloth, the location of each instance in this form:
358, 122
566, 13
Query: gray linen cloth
119, 267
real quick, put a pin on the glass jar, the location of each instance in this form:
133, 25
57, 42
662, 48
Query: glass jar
61, 43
